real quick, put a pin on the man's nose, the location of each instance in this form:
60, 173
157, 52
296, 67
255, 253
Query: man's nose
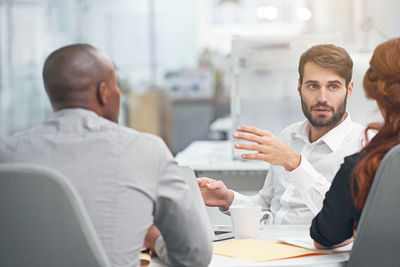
322, 95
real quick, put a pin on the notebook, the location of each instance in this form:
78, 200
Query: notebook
216, 233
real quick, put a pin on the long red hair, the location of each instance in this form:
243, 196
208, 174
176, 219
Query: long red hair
382, 84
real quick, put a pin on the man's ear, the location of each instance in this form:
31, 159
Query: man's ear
102, 93
298, 86
350, 89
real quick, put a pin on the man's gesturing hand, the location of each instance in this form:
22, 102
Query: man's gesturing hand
215, 193
269, 147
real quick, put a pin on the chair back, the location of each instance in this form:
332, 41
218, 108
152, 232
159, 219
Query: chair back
43, 221
378, 233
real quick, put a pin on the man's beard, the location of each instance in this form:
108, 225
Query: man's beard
322, 122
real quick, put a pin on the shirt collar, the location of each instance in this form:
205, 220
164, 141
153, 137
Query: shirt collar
71, 119
75, 111
301, 132
333, 139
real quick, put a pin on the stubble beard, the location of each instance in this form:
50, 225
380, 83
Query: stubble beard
322, 121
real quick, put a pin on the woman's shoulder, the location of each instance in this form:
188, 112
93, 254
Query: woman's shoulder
347, 167
353, 159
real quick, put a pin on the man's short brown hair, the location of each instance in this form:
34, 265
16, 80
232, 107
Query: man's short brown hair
328, 56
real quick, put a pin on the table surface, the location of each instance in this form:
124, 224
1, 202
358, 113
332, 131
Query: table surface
273, 233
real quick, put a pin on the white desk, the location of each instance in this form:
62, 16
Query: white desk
221, 128
272, 233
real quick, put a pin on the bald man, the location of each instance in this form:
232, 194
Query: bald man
128, 180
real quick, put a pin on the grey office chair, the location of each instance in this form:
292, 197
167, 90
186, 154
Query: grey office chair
378, 233
43, 221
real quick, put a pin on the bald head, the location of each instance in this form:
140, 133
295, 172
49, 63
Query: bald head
81, 76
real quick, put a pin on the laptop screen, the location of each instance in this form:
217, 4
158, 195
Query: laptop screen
221, 234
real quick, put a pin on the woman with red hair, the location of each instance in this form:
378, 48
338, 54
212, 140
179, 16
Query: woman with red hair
335, 224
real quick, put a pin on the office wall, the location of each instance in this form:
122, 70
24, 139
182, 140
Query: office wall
30, 30
138, 34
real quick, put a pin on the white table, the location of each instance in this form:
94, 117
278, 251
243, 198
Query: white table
272, 233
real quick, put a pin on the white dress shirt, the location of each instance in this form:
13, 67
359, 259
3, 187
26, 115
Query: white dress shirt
127, 180
296, 197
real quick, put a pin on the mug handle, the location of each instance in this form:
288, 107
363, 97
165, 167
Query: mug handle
266, 218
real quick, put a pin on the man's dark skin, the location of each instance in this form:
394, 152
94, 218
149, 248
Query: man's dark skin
81, 76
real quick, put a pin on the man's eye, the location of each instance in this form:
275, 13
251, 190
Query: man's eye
313, 86
334, 87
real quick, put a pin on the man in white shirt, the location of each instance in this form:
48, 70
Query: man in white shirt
307, 155
128, 180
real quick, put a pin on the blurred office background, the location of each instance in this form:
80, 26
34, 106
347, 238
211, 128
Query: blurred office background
175, 58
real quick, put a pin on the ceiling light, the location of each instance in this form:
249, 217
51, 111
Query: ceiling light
303, 13
267, 12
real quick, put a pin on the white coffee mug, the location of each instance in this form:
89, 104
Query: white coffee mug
245, 220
